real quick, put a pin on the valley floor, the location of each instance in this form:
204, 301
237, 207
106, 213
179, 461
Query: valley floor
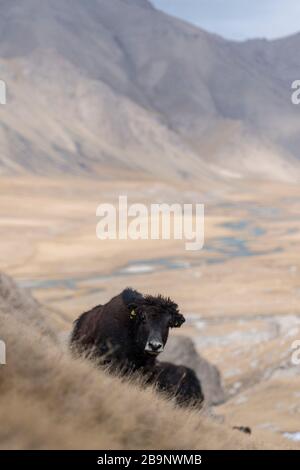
240, 294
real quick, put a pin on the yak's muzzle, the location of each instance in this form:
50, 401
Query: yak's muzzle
154, 347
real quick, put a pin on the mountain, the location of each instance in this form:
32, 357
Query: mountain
112, 86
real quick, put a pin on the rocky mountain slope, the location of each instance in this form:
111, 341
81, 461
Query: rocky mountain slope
118, 86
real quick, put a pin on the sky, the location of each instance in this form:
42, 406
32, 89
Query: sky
238, 19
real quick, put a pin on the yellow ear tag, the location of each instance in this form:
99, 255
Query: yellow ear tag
132, 314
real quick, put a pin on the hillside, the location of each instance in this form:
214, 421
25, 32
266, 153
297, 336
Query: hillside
73, 405
119, 87
240, 296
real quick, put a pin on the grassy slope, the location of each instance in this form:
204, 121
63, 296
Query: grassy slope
50, 400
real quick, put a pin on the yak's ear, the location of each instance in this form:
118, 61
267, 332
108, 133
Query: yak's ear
132, 311
177, 320
132, 300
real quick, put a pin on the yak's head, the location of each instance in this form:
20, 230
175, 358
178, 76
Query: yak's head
151, 318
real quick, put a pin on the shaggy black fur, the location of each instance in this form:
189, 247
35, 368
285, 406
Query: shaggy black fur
177, 381
121, 334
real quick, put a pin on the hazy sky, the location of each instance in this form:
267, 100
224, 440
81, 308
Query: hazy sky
238, 19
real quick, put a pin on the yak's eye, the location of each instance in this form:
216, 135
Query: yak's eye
143, 317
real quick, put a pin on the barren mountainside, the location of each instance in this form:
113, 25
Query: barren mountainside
112, 86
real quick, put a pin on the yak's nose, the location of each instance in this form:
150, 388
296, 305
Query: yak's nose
154, 346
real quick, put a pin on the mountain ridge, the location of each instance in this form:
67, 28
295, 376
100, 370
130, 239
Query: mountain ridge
179, 91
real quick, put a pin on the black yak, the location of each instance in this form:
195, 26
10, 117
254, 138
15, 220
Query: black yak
128, 333
176, 381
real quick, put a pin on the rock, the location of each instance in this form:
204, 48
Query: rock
181, 350
18, 302
13, 297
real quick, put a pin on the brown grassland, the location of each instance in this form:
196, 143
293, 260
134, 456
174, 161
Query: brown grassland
50, 400
240, 296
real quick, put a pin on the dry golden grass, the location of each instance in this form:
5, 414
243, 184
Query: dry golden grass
49, 400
